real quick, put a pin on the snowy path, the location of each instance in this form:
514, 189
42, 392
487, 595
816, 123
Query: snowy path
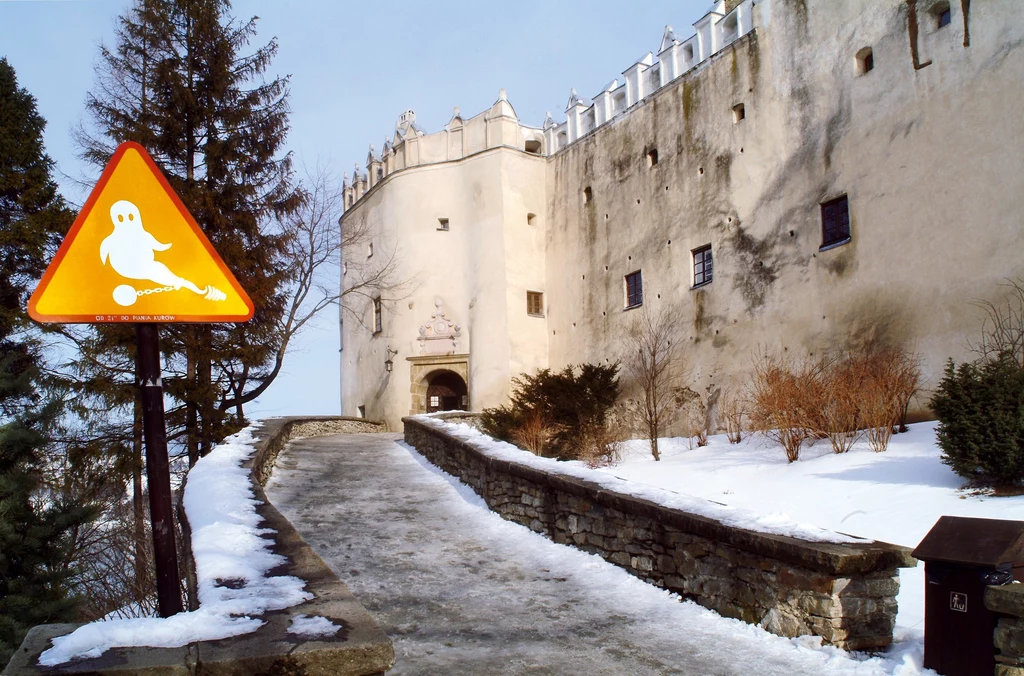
461, 591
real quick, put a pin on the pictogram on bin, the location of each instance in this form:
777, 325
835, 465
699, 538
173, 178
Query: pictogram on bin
962, 557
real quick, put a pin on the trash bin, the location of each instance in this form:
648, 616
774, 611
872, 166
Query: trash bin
962, 557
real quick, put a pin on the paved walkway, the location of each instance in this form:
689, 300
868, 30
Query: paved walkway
460, 591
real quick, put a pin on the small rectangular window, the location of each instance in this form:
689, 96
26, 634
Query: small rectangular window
535, 303
945, 17
531, 219
634, 290
369, 250
702, 266
588, 195
865, 60
378, 318
361, 411
835, 222
442, 224
738, 113
435, 401
652, 157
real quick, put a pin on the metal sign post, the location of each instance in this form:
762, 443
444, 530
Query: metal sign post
158, 473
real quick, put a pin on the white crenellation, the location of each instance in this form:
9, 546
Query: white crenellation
499, 126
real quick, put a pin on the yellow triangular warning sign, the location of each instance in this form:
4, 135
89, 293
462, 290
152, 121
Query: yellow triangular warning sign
135, 254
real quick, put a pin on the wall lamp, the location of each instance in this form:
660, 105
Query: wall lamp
388, 354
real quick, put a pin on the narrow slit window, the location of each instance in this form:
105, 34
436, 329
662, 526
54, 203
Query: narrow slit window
531, 219
702, 266
442, 224
634, 290
535, 303
835, 222
588, 195
378, 316
369, 250
738, 113
361, 411
652, 157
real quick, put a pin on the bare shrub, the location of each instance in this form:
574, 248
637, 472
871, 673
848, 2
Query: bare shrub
534, 433
732, 410
653, 361
695, 415
891, 377
598, 445
777, 402
838, 413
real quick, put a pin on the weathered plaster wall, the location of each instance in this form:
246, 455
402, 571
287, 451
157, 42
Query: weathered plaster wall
930, 160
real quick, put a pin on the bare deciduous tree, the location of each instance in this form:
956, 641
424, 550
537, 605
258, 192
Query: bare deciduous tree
316, 246
1002, 333
653, 360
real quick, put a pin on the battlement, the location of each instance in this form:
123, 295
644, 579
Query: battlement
499, 126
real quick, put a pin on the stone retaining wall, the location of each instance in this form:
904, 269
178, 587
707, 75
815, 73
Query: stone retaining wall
286, 429
1008, 602
360, 648
844, 593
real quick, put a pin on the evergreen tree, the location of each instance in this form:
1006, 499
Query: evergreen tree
980, 407
35, 528
179, 83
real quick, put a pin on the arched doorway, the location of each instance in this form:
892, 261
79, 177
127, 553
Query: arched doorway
447, 391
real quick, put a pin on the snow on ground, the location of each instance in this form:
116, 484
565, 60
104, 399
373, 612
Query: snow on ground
231, 558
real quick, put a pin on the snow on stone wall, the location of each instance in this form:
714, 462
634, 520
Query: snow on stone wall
844, 592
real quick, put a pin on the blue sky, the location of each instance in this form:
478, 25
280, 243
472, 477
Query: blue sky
354, 69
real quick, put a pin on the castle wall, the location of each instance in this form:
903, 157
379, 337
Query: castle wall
926, 146
930, 159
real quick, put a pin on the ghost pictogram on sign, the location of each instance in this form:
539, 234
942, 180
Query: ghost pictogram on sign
130, 250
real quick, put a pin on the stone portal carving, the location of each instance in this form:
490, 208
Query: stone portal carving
440, 335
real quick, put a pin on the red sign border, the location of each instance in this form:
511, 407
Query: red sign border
65, 246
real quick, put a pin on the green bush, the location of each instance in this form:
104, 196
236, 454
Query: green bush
572, 403
980, 408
